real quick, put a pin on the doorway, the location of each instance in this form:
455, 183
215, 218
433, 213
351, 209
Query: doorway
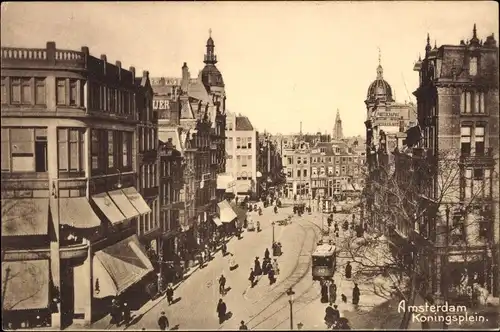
67, 294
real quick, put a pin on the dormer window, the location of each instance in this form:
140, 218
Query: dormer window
473, 66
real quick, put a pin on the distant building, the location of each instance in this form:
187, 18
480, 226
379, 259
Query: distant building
337, 130
241, 151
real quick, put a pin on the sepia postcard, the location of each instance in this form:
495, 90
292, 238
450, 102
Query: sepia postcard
250, 165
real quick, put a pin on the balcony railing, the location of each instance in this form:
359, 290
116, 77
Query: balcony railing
477, 156
48, 56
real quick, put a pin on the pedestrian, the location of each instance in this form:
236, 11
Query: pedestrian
275, 209
170, 294
163, 321
256, 267
271, 277
224, 249
266, 253
346, 225
265, 266
324, 292
276, 267
344, 298
126, 313
355, 294
243, 326
332, 290
222, 285
221, 311
348, 270
329, 316
336, 312
336, 226
251, 278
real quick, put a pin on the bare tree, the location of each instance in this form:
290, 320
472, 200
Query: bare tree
431, 200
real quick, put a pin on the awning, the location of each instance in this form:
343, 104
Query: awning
119, 266
110, 210
25, 216
25, 285
123, 203
137, 201
217, 221
225, 181
226, 213
243, 187
241, 213
75, 212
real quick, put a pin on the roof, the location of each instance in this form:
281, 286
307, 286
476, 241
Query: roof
198, 91
166, 133
243, 124
324, 250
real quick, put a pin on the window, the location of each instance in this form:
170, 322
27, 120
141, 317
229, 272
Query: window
111, 155
465, 140
70, 149
314, 171
473, 66
40, 98
304, 160
25, 149
299, 160
322, 150
61, 91
322, 171
290, 160
97, 149
479, 140
476, 183
330, 170
26, 91
249, 142
298, 173
244, 161
337, 160
126, 149
238, 142
305, 172
4, 90
15, 91
73, 92
289, 172
472, 102
343, 170
458, 228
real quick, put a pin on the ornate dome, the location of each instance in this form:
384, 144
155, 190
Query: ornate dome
211, 76
379, 89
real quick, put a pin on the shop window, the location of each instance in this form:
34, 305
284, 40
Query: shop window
111, 155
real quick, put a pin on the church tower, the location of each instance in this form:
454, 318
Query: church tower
337, 129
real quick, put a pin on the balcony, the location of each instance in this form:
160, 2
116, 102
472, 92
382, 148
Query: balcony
38, 57
79, 250
478, 158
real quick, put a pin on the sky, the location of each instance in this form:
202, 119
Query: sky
283, 63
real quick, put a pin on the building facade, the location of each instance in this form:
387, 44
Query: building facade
241, 149
192, 116
270, 176
69, 196
458, 110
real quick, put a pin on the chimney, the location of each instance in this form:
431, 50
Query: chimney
105, 60
85, 50
119, 65
145, 73
51, 51
132, 69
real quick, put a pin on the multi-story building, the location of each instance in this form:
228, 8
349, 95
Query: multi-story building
192, 113
70, 205
458, 111
149, 228
269, 165
241, 150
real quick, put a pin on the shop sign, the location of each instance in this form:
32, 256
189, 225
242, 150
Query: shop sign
161, 104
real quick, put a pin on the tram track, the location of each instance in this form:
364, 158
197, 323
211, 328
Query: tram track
299, 273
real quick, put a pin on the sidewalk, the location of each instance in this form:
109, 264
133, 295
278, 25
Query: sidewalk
105, 322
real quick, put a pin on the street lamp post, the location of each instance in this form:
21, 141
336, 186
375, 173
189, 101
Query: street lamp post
290, 293
273, 233
445, 261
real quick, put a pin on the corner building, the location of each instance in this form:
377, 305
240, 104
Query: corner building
70, 204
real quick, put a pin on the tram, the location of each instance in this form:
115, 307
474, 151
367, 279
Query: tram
324, 261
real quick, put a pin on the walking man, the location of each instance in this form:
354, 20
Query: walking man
348, 270
163, 322
221, 311
332, 290
243, 326
222, 285
355, 294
